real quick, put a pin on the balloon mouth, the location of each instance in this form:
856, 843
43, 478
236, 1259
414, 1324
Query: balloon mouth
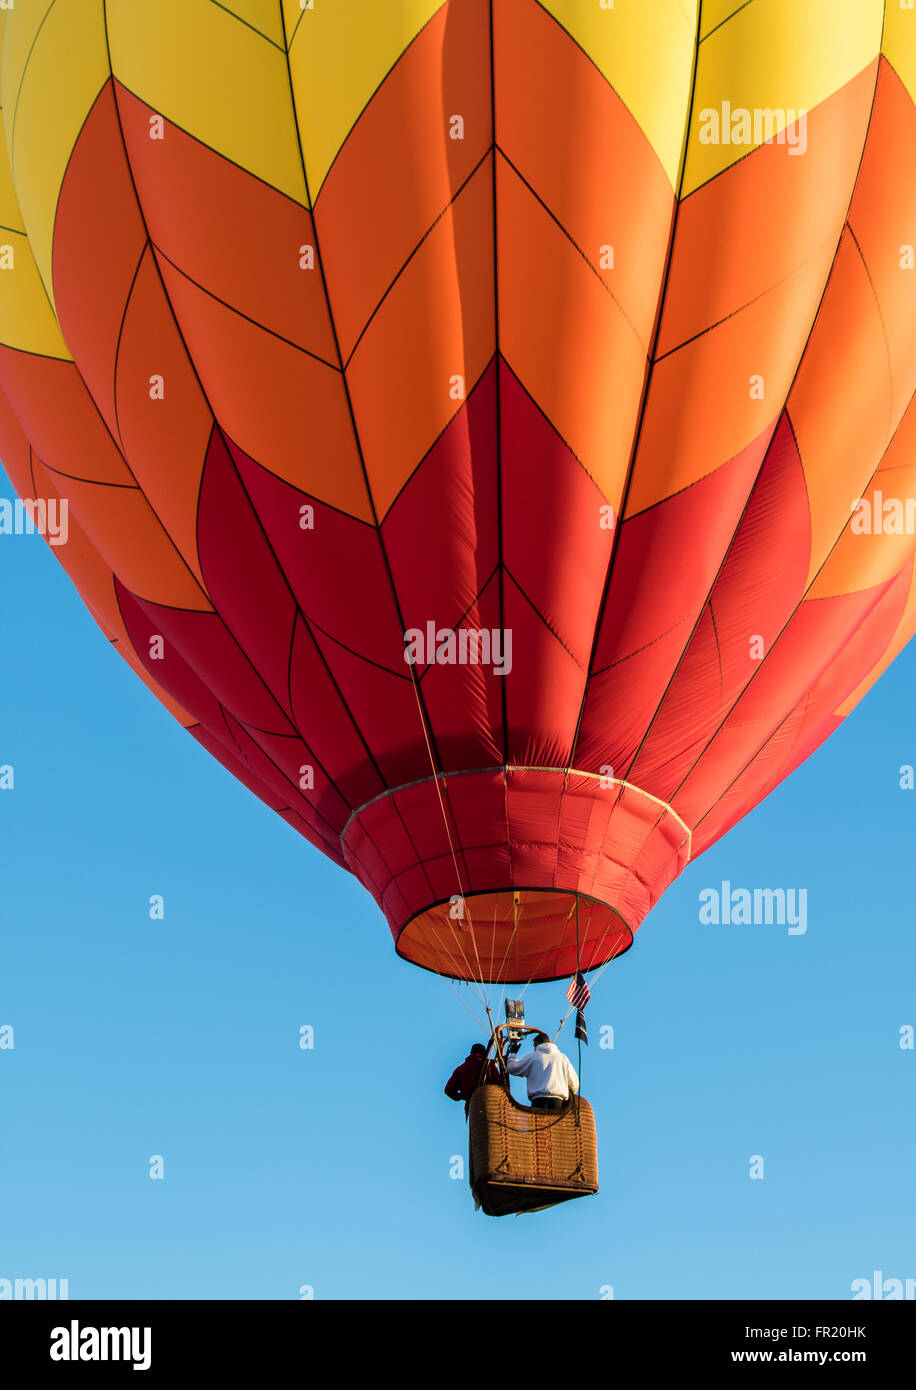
530, 932
478, 872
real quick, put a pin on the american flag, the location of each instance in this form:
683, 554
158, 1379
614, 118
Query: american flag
578, 993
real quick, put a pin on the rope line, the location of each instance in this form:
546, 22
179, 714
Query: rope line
484, 998
516, 897
440, 946
448, 983
552, 947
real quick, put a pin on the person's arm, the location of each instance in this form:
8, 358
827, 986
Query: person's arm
518, 1066
453, 1086
572, 1079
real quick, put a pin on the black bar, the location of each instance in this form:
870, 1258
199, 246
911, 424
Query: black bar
234, 1338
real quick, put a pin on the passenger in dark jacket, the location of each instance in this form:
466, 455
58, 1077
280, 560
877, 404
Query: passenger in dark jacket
474, 1071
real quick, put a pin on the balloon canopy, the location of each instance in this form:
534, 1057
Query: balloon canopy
487, 426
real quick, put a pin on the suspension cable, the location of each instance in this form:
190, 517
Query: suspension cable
482, 995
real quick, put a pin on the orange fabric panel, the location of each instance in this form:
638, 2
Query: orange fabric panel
436, 323
863, 558
390, 182
511, 936
762, 218
31, 480
15, 449
905, 631
60, 417
132, 542
233, 235
165, 439
752, 253
699, 411
846, 362
565, 337
285, 408
572, 139
859, 372
84, 566
96, 586
882, 220
99, 239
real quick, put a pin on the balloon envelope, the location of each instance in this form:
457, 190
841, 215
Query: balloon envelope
487, 427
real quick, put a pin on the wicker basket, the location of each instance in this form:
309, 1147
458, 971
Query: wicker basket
524, 1160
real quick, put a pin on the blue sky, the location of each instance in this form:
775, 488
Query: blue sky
330, 1168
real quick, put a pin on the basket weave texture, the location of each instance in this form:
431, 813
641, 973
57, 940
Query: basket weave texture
509, 1143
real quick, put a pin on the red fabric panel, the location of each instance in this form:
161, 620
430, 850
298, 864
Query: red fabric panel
665, 566
441, 533
297, 823
290, 754
816, 635
524, 828
543, 691
383, 706
737, 801
219, 734
318, 707
241, 573
210, 650
336, 570
442, 543
554, 547
813, 719
464, 703
239, 770
170, 670
284, 786
760, 584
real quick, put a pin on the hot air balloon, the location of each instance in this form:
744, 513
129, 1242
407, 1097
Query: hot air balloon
476, 421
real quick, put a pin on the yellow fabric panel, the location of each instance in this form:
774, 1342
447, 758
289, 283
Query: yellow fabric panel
20, 25
645, 49
776, 56
27, 321
53, 69
214, 77
263, 15
294, 13
899, 43
338, 55
716, 12
10, 216
905, 631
